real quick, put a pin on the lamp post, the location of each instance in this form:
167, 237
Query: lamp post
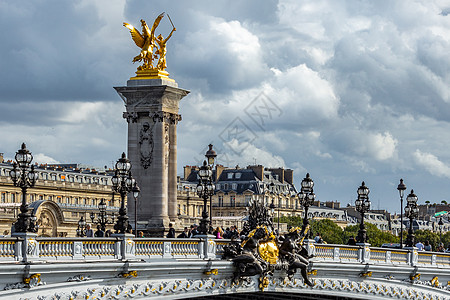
306, 198
272, 210
441, 224
81, 229
123, 183
102, 217
210, 156
205, 189
411, 212
24, 178
362, 205
401, 189
136, 190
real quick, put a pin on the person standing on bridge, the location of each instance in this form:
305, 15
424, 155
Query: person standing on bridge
89, 231
171, 233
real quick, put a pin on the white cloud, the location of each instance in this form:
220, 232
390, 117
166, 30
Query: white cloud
432, 164
41, 158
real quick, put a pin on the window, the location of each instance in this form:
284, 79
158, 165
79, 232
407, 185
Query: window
3, 197
232, 200
238, 175
67, 200
74, 214
226, 186
234, 186
230, 175
41, 197
13, 198
50, 198
220, 201
248, 198
218, 186
184, 209
179, 209
231, 214
76, 201
198, 210
93, 202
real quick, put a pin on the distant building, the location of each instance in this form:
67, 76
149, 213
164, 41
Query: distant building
61, 196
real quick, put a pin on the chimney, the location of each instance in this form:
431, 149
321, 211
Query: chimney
1, 157
187, 171
279, 172
219, 170
289, 176
259, 171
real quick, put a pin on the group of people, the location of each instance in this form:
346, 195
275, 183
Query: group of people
192, 231
89, 232
427, 247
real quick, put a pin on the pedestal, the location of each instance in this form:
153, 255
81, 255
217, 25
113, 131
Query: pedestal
152, 107
29, 247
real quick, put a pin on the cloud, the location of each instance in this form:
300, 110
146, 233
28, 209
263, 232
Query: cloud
432, 164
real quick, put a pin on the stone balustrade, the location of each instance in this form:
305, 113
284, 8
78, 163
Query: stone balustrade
119, 248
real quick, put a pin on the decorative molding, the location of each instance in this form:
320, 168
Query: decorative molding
192, 287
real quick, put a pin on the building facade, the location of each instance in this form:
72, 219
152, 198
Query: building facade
61, 196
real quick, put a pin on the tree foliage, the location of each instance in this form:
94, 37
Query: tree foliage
329, 231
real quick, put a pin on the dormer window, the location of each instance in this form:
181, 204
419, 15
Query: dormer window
230, 176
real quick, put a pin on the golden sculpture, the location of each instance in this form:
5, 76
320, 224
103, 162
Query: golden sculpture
147, 42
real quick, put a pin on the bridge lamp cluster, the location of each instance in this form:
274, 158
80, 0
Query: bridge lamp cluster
24, 177
123, 183
306, 198
205, 189
411, 212
102, 218
362, 205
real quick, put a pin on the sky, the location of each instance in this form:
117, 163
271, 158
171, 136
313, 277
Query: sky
348, 91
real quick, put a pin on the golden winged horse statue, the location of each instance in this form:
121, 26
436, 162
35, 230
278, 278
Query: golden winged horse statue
145, 41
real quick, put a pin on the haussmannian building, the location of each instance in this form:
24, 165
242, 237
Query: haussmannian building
61, 196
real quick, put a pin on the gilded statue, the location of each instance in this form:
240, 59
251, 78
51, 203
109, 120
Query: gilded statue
151, 47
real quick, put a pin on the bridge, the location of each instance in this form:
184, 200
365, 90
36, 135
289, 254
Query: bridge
125, 267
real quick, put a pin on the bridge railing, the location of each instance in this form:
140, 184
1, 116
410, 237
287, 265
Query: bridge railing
29, 248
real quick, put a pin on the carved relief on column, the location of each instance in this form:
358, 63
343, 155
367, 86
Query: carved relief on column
166, 145
146, 144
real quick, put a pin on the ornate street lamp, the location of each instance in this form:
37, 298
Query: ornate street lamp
210, 156
441, 224
24, 178
362, 205
401, 189
136, 190
102, 218
81, 229
123, 183
306, 198
205, 189
411, 212
272, 210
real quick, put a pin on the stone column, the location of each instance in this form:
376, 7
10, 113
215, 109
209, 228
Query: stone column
173, 209
151, 107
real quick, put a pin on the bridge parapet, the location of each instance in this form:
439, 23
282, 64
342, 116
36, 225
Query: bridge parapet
50, 249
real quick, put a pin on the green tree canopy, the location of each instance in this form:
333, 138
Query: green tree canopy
330, 232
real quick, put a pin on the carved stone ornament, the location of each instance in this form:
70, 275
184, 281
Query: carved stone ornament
146, 145
384, 290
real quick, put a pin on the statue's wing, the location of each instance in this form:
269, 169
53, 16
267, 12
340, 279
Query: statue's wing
156, 23
135, 35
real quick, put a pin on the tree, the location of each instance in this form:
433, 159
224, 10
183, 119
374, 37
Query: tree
427, 202
444, 202
375, 236
330, 231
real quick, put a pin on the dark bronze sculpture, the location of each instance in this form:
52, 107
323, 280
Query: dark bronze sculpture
261, 253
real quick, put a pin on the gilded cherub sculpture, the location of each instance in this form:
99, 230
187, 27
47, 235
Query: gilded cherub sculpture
147, 42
